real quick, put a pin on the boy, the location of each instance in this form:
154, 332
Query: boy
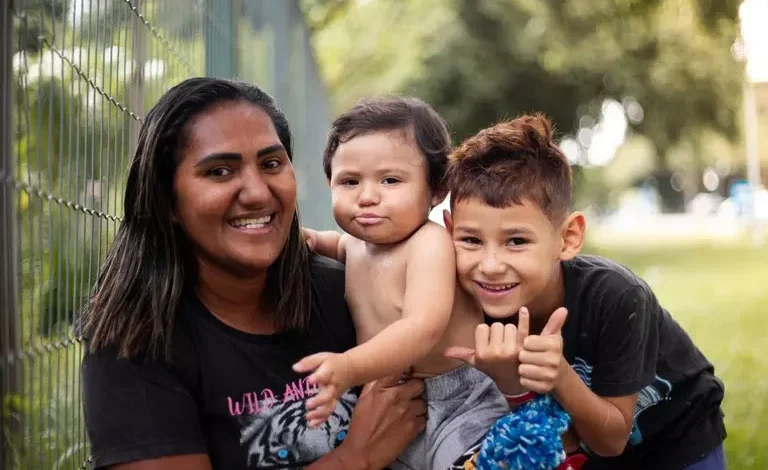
385, 161
639, 392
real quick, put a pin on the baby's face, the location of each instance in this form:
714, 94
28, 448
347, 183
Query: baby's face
505, 257
379, 187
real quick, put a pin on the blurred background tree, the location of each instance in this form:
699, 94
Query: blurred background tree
668, 63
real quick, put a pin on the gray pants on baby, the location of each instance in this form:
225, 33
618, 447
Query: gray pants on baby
462, 405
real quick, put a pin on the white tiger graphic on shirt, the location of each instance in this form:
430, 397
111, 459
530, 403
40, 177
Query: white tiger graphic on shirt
278, 437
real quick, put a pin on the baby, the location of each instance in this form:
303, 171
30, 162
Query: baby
385, 161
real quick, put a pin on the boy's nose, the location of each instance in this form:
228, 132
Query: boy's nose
490, 264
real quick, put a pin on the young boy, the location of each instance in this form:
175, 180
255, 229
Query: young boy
385, 161
639, 392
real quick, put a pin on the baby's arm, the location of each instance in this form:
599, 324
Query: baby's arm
430, 281
428, 302
327, 243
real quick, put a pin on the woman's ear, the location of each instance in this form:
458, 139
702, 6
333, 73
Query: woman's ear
573, 230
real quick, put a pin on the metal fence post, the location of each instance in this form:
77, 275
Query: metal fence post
219, 53
9, 342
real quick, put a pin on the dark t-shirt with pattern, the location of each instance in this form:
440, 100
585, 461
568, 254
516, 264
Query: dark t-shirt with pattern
621, 341
227, 393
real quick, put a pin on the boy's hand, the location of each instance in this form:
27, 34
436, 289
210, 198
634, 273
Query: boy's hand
332, 375
541, 359
496, 352
310, 237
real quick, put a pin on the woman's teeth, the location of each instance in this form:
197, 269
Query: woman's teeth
252, 223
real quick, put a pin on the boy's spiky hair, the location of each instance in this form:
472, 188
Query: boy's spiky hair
512, 162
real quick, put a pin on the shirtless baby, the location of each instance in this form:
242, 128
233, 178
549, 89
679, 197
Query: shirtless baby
385, 161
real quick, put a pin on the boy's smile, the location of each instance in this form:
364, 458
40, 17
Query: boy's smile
507, 257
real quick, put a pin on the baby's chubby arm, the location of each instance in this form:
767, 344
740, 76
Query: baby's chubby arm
430, 281
327, 243
428, 302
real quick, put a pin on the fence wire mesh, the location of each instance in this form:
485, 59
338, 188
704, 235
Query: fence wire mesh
77, 78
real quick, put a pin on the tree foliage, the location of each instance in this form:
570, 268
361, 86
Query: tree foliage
478, 61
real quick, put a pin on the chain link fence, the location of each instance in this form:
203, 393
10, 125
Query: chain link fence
77, 78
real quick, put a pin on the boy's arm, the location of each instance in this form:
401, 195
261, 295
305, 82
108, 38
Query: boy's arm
428, 302
602, 423
626, 362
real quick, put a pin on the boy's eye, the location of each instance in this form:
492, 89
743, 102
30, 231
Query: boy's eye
517, 241
219, 172
271, 164
470, 240
390, 180
349, 182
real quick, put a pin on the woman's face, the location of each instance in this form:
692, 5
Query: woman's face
235, 189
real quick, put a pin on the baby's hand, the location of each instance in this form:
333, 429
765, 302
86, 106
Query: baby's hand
541, 358
310, 237
496, 352
332, 375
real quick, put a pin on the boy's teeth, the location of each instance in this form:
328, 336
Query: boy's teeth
252, 223
498, 288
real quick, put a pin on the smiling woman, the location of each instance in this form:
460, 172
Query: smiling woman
209, 296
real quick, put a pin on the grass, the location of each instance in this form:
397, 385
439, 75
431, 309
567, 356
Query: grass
719, 294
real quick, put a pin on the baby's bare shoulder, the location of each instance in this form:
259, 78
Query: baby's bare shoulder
431, 235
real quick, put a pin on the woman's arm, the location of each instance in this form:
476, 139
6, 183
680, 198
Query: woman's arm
176, 462
138, 412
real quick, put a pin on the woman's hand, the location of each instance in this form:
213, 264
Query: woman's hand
386, 419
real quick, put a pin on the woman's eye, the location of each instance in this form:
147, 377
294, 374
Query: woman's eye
271, 164
219, 172
390, 181
349, 182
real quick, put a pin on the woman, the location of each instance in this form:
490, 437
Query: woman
209, 296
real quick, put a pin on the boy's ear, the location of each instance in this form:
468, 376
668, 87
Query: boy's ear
573, 231
448, 220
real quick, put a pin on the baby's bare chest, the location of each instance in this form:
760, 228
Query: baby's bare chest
375, 289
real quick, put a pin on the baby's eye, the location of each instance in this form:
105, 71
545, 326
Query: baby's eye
390, 180
517, 241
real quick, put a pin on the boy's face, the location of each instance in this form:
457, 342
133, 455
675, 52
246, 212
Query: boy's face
506, 258
379, 187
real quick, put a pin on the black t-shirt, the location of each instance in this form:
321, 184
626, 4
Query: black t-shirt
620, 341
227, 393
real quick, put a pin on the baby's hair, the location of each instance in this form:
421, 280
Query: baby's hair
382, 114
512, 162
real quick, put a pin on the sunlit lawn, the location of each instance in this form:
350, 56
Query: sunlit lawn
720, 296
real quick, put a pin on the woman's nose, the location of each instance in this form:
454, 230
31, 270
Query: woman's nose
254, 190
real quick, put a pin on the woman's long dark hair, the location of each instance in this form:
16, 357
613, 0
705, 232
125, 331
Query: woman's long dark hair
151, 264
